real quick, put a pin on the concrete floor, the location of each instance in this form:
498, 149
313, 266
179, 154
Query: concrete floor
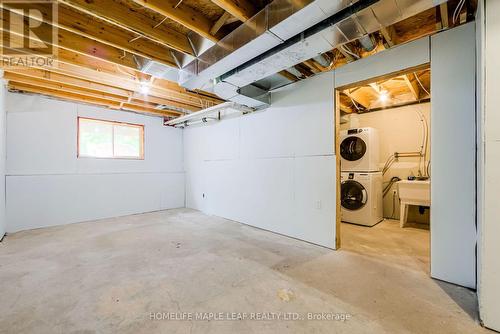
110, 276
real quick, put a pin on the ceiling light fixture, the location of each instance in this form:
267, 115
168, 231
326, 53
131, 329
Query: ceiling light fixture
144, 87
384, 96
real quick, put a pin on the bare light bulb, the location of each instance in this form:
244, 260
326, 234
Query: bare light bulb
144, 88
384, 96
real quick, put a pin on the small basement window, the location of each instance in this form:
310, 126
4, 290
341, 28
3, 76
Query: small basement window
107, 139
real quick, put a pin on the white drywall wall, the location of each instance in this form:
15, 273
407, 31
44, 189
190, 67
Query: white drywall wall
273, 169
48, 185
400, 130
2, 157
453, 156
489, 245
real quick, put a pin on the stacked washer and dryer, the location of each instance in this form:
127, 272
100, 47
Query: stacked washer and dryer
361, 179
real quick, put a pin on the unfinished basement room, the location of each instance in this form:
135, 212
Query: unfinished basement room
249, 166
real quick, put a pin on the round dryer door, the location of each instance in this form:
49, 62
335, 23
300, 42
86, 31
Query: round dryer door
352, 148
353, 195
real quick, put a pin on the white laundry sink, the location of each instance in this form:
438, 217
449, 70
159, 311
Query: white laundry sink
413, 193
418, 192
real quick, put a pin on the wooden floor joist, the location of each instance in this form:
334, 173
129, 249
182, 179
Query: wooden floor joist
71, 84
241, 9
102, 32
182, 14
134, 21
103, 44
82, 97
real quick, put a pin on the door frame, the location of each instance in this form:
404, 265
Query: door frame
338, 211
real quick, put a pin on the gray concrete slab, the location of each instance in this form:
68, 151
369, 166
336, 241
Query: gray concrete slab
129, 274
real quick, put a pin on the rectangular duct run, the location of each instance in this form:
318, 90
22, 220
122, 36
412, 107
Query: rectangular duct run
276, 23
325, 36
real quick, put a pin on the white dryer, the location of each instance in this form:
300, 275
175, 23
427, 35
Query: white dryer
359, 150
361, 198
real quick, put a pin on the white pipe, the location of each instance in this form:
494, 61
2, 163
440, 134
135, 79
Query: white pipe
208, 111
195, 122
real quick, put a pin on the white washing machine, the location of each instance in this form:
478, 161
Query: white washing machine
359, 150
361, 198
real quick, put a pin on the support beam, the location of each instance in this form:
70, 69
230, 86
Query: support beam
182, 14
129, 19
241, 9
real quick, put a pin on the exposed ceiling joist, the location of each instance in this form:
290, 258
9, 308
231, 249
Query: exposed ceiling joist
241, 9
123, 81
20, 83
312, 65
304, 70
345, 108
76, 43
85, 97
412, 84
389, 34
182, 14
220, 23
288, 75
376, 88
443, 10
358, 98
128, 19
43, 77
103, 32
103, 72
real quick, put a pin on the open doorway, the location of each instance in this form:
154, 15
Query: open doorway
383, 140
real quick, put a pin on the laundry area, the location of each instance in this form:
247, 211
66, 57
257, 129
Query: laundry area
240, 166
385, 156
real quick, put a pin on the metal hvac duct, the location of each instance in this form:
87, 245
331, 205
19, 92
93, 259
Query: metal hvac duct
273, 25
349, 24
286, 33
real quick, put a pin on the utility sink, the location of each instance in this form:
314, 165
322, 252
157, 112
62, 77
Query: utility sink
415, 192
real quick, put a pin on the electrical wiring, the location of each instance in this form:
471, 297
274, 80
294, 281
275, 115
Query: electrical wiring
425, 142
420, 83
354, 103
347, 50
458, 10
393, 180
393, 205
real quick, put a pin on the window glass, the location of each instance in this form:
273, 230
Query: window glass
105, 139
127, 141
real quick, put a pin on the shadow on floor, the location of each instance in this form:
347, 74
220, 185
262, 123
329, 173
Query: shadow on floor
463, 297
